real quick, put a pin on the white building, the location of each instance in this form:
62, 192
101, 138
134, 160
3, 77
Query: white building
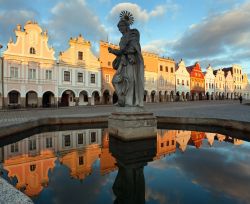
209, 83
182, 81
219, 82
229, 88
79, 80
29, 72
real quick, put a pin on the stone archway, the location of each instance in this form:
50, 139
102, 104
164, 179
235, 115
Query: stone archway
14, 100
83, 98
106, 97
31, 99
152, 96
115, 98
68, 98
48, 99
95, 98
145, 96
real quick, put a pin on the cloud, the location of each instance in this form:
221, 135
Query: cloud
219, 39
71, 18
12, 13
141, 15
158, 47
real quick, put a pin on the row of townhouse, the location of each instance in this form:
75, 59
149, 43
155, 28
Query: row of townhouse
31, 76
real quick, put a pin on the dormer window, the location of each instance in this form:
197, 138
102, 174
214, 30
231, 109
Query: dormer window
32, 51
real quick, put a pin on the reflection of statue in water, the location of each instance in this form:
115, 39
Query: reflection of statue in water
129, 78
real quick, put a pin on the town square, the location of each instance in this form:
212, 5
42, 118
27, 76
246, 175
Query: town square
124, 102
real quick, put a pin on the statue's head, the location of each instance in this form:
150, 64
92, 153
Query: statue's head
123, 26
126, 19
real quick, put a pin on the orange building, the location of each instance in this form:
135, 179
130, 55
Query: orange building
80, 161
196, 138
31, 171
197, 82
108, 72
166, 142
107, 161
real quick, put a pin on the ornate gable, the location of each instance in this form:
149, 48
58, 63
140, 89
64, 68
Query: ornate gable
31, 42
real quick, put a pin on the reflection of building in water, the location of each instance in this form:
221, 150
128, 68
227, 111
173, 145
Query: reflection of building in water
166, 142
182, 138
107, 161
220, 137
210, 138
196, 138
30, 160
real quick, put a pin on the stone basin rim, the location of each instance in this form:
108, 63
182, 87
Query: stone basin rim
12, 129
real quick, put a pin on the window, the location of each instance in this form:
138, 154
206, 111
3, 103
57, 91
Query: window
162, 144
48, 74
49, 142
107, 78
93, 137
187, 83
183, 82
80, 77
32, 145
92, 78
66, 140
66, 76
109, 63
14, 72
32, 74
80, 54
81, 160
172, 142
161, 68
80, 138
32, 50
166, 69
167, 144
32, 167
178, 81
14, 148
172, 70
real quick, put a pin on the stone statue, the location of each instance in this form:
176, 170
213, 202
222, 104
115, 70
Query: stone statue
128, 80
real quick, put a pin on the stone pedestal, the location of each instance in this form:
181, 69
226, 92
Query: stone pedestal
132, 123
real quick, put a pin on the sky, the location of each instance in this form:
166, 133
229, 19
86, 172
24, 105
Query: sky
215, 32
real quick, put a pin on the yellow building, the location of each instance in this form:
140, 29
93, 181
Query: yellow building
166, 79
79, 74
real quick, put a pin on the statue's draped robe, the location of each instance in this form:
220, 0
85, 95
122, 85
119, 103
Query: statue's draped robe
129, 78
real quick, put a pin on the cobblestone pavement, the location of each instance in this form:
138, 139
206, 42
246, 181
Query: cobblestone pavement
200, 109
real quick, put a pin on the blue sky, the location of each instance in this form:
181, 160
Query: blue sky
209, 31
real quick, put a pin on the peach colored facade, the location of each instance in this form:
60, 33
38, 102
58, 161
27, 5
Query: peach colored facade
29, 73
219, 83
166, 79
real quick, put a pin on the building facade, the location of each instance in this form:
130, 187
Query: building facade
150, 77
107, 73
229, 87
79, 75
219, 82
197, 82
29, 74
182, 82
236, 71
209, 83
